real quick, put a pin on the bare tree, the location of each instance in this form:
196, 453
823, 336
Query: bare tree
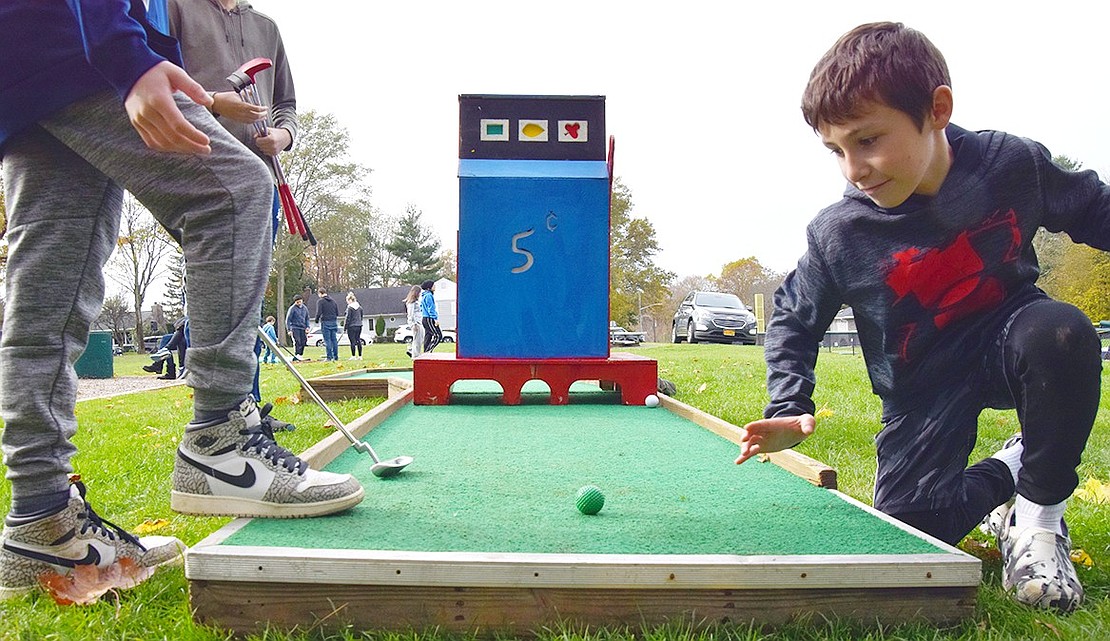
114, 315
138, 259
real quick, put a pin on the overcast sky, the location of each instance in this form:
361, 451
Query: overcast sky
702, 97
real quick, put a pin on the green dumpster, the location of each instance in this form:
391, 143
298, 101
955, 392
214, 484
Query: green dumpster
96, 362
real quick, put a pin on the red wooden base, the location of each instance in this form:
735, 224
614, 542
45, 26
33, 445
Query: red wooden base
433, 374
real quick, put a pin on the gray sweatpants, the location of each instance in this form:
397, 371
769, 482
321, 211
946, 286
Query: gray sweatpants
64, 182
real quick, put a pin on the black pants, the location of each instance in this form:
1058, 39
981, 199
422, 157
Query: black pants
432, 335
354, 334
1047, 366
300, 337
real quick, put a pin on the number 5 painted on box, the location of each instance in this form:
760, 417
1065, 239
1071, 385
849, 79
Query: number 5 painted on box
524, 252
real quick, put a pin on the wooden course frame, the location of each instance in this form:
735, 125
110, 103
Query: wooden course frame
246, 589
343, 385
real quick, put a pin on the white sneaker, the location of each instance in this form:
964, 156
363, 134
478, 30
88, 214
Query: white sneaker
59, 543
1037, 567
235, 468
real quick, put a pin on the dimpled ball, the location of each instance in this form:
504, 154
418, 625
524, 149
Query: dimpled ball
590, 499
652, 400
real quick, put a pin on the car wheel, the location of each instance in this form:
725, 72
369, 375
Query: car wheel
362, 342
448, 339
320, 343
408, 340
675, 338
690, 337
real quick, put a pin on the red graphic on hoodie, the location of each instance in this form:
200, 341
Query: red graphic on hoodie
950, 282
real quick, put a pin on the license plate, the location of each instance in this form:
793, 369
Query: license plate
730, 332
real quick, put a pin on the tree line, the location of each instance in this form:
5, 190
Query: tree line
360, 246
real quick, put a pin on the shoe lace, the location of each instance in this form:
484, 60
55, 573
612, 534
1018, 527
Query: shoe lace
261, 440
100, 526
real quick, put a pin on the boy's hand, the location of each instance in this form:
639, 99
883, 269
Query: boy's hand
774, 434
155, 115
275, 141
231, 105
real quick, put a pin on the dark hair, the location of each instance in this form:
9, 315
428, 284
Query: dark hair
881, 62
297, 297
427, 284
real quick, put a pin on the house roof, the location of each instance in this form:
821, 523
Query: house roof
377, 301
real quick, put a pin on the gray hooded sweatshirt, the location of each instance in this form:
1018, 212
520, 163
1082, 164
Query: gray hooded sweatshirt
216, 42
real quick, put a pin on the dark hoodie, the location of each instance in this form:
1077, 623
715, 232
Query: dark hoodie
215, 42
932, 281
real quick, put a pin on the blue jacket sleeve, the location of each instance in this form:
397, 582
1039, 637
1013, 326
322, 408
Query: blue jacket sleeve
114, 40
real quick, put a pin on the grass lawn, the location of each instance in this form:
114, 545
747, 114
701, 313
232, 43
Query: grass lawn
127, 446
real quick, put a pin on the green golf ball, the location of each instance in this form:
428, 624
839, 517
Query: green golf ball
590, 499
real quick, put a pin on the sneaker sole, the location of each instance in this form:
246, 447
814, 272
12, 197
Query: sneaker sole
208, 505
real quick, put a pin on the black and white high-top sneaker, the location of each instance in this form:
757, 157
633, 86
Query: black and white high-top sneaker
74, 536
234, 468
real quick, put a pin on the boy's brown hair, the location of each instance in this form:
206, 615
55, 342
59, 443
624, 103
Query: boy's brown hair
883, 62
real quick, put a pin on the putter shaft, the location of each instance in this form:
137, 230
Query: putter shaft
361, 446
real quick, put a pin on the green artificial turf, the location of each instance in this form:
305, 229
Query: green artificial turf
504, 479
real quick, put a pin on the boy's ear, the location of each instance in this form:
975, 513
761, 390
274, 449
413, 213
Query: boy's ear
941, 112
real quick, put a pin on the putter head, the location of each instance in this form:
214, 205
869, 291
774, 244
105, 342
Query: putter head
390, 467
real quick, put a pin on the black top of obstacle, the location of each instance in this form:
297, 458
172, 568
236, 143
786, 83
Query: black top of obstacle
532, 127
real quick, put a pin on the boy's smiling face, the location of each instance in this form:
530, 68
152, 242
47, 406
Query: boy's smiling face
884, 154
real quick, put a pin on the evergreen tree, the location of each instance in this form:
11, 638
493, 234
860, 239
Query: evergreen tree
416, 247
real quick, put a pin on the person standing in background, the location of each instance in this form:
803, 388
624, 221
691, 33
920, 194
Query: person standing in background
327, 316
415, 321
296, 321
352, 321
431, 316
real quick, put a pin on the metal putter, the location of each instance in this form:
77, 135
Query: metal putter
380, 468
242, 81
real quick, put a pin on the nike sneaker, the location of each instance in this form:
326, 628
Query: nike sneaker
36, 548
234, 468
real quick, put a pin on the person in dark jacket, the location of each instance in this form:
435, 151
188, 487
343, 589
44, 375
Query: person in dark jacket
352, 323
932, 247
327, 316
296, 323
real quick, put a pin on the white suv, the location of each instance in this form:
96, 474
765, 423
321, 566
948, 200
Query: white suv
404, 335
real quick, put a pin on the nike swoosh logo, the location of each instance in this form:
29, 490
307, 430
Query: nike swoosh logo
244, 480
92, 556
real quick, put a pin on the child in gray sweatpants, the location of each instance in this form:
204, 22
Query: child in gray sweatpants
65, 168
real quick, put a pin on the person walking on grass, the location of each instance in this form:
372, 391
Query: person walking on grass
429, 316
932, 246
352, 322
93, 98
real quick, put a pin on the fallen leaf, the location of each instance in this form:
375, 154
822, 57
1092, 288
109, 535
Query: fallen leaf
1079, 556
701, 388
329, 423
1094, 491
87, 583
151, 525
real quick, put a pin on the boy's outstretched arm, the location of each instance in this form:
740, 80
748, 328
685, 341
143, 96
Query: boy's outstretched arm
774, 434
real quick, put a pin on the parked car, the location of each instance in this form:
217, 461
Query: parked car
621, 336
715, 317
316, 337
404, 335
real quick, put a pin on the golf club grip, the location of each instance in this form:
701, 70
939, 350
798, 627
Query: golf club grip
295, 213
358, 445
289, 222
